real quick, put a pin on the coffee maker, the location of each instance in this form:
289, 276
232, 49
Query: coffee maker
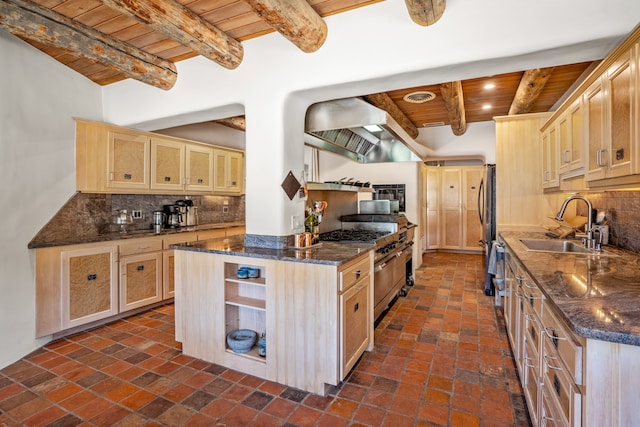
173, 216
188, 211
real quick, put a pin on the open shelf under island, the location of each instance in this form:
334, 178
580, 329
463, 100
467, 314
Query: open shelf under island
315, 307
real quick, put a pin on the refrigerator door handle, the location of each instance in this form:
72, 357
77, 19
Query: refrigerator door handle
481, 201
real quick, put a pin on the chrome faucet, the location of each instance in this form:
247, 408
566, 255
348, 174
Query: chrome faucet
588, 241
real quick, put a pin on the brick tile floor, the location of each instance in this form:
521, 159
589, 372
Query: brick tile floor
441, 359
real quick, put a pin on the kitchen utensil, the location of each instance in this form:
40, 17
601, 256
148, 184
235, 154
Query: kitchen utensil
122, 218
182, 208
241, 340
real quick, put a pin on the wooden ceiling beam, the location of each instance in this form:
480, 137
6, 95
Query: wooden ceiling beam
384, 102
295, 20
530, 87
238, 122
425, 12
33, 22
454, 100
181, 24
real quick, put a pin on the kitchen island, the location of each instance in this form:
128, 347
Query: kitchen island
314, 305
574, 327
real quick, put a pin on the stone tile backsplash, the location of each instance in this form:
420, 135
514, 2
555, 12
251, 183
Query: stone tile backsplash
622, 210
86, 215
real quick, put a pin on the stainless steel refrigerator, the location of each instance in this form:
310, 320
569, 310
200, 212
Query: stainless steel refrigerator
487, 214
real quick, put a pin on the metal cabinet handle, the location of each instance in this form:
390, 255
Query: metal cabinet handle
534, 286
140, 268
600, 158
553, 334
92, 277
358, 273
547, 358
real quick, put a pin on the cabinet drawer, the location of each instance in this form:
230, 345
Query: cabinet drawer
353, 272
532, 295
559, 388
532, 331
211, 234
549, 413
531, 380
567, 347
138, 246
172, 239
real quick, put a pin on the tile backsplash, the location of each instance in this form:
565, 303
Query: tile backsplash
85, 214
622, 210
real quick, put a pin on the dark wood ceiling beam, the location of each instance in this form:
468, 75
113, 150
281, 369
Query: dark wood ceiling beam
529, 89
454, 100
295, 20
181, 24
425, 12
384, 102
33, 22
238, 122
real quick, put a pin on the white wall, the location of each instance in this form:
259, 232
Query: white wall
370, 49
479, 141
37, 139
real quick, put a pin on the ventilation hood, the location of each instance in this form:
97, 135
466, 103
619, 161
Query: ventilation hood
356, 129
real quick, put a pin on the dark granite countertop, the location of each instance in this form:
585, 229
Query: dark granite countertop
69, 237
332, 253
597, 295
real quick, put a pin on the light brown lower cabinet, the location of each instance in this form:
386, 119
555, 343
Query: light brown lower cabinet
81, 284
89, 285
318, 318
567, 380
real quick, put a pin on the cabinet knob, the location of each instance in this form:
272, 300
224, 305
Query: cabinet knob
127, 176
356, 307
92, 277
140, 268
358, 273
167, 179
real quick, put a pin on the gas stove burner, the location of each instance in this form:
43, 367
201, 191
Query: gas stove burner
353, 235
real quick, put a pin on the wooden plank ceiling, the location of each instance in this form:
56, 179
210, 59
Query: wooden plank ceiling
232, 21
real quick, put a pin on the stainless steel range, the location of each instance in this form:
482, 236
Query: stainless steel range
393, 237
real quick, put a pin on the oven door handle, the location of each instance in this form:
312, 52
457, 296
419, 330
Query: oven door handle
379, 267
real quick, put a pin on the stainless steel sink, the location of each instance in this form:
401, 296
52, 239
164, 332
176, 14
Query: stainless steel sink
562, 246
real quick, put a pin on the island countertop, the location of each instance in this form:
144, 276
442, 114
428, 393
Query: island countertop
331, 253
597, 295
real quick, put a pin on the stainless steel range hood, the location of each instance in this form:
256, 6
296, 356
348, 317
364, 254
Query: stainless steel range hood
339, 126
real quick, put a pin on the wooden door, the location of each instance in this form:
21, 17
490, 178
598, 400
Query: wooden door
140, 280
564, 141
472, 226
128, 161
89, 285
355, 323
167, 164
577, 142
451, 208
620, 83
433, 208
235, 172
199, 168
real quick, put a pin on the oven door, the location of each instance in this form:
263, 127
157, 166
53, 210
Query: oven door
383, 284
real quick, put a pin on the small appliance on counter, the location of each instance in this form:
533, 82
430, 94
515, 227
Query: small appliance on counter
173, 216
189, 212
159, 218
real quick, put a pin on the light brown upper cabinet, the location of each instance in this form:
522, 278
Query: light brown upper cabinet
199, 168
228, 171
111, 159
167, 164
550, 153
570, 139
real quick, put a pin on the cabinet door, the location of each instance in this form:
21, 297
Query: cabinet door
433, 208
451, 208
597, 156
564, 141
550, 154
228, 171
577, 142
235, 173
620, 87
89, 285
199, 168
140, 280
355, 323
167, 164
128, 161
168, 275
472, 227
